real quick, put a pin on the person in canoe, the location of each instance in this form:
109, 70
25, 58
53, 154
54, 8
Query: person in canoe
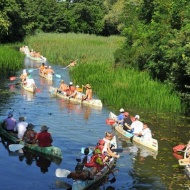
127, 122
136, 126
9, 123
62, 87
80, 173
107, 147
44, 138
42, 67
146, 133
30, 81
88, 94
86, 157
23, 76
21, 127
71, 91
121, 116
50, 71
29, 135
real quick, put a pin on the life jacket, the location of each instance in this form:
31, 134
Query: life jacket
100, 145
96, 160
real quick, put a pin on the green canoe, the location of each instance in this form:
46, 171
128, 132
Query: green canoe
52, 152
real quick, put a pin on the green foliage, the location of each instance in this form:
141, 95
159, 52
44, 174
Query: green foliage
11, 60
157, 40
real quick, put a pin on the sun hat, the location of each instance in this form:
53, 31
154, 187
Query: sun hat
22, 118
10, 114
44, 128
77, 86
71, 83
121, 110
126, 114
50, 67
137, 117
30, 126
87, 86
62, 81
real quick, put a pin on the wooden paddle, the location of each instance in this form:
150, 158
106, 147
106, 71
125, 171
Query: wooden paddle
15, 147
62, 172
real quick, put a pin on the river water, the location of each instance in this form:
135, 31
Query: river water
74, 126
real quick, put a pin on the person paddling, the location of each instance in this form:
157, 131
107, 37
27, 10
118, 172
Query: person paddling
88, 94
30, 134
9, 123
44, 138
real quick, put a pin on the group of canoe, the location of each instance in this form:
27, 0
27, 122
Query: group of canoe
33, 55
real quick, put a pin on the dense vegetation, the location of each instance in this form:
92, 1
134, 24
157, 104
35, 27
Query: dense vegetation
156, 32
116, 87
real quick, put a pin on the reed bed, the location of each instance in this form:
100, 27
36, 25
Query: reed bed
11, 60
116, 87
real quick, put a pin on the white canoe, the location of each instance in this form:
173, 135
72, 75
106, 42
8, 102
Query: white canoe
29, 88
151, 144
48, 77
94, 103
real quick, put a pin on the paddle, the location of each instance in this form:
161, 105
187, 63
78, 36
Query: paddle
69, 64
15, 147
118, 150
62, 172
113, 179
58, 76
13, 78
31, 70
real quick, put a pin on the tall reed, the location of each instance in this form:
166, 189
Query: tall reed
116, 87
11, 60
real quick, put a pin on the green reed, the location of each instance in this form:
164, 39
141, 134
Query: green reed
11, 60
117, 87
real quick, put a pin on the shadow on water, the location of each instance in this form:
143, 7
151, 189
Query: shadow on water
74, 126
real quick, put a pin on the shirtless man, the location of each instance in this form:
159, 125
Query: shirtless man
88, 95
50, 71
63, 87
42, 67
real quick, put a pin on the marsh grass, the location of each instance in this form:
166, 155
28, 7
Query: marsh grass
11, 60
116, 87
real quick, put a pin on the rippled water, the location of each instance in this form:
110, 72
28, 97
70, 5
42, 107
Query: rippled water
74, 126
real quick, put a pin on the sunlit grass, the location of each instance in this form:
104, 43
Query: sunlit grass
117, 87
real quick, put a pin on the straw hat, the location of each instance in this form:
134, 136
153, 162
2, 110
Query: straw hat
30, 126
22, 118
87, 86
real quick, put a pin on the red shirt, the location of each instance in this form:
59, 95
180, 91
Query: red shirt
44, 139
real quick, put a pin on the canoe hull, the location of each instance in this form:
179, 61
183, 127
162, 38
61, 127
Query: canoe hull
51, 152
93, 103
151, 144
47, 77
29, 89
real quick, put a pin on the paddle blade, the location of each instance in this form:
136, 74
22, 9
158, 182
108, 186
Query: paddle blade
15, 147
30, 70
62, 172
38, 90
58, 76
82, 151
12, 78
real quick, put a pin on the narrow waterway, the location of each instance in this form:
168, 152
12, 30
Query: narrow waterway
74, 126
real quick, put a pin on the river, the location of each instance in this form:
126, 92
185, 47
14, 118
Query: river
74, 126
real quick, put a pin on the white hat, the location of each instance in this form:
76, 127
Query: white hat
77, 86
121, 110
137, 117
50, 67
71, 83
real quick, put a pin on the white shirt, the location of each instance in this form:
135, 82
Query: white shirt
21, 128
137, 126
107, 143
147, 134
30, 82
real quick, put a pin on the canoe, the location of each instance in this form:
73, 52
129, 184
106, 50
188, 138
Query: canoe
185, 161
51, 152
39, 59
89, 184
29, 89
48, 77
93, 103
151, 144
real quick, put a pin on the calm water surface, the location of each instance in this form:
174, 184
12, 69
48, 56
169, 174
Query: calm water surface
75, 126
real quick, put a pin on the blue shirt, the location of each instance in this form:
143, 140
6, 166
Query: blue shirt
120, 117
